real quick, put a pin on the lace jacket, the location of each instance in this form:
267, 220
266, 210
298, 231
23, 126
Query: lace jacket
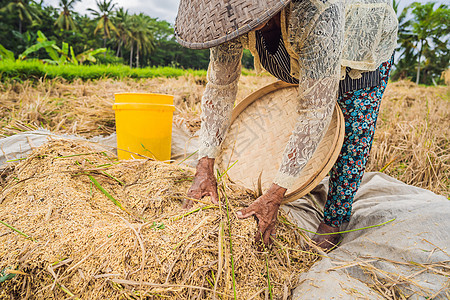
323, 37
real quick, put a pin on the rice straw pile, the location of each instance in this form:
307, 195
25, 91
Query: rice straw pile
85, 107
411, 142
84, 225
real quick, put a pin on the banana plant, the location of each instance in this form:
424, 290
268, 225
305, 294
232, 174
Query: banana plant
89, 55
58, 55
5, 54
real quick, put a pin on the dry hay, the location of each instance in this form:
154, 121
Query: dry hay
446, 76
85, 107
85, 246
411, 142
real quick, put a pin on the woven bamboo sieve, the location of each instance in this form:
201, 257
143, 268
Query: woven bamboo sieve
260, 129
202, 24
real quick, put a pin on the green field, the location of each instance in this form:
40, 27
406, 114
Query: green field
35, 69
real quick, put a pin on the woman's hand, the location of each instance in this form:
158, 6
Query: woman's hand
265, 209
205, 184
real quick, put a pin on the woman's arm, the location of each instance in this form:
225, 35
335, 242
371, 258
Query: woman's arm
217, 105
319, 72
219, 96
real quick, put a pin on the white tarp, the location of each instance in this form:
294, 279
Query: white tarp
20, 145
408, 253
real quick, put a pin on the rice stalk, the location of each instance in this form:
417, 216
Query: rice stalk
297, 250
133, 283
105, 192
148, 150
81, 154
233, 275
202, 222
108, 165
193, 199
65, 290
339, 232
221, 255
17, 159
112, 177
18, 231
187, 157
17, 272
221, 175
141, 244
193, 211
387, 165
269, 284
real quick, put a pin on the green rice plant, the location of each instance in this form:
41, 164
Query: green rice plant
285, 221
156, 226
193, 211
105, 192
187, 157
233, 275
35, 69
269, 284
113, 178
221, 175
18, 231
5, 275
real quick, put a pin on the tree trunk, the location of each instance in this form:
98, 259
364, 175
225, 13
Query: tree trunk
137, 57
118, 49
104, 38
418, 63
104, 46
131, 56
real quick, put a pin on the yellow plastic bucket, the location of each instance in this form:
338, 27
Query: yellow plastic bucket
143, 125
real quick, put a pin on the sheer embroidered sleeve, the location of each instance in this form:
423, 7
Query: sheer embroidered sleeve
317, 37
219, 96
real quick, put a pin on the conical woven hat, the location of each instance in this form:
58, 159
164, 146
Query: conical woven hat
260, 129
202, 24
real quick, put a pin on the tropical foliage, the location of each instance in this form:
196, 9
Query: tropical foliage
33, 69
65, 20
134, 39
103, 17
424, 32
138, 40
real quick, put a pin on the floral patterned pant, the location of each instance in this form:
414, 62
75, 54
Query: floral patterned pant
360, 109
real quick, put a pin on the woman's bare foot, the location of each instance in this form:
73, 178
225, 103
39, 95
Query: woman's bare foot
328, 241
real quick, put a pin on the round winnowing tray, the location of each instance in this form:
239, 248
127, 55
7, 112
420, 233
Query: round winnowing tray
260, 128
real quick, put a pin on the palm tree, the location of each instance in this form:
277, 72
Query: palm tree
423, 42
406, 57
25, 9
142, 35
104, 18
428, 23
65, 20
123, 26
